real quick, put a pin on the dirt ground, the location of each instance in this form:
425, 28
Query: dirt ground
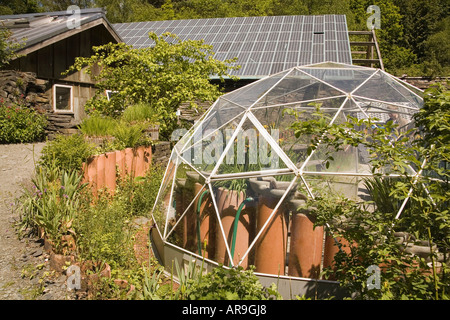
24, 266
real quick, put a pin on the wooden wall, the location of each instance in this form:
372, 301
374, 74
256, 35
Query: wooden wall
50, 61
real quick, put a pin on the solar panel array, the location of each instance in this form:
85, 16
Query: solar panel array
263, 45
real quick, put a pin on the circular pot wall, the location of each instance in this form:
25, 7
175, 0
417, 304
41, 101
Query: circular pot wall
305, 253
237, 232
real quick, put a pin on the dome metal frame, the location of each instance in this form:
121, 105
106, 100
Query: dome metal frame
341, 89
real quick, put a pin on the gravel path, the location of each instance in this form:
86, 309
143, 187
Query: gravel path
24, 266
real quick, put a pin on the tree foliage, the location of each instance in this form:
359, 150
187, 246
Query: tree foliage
163, 76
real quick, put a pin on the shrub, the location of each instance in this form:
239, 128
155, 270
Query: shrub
19, 124
229, 284
68, 152
104, 233
139, 194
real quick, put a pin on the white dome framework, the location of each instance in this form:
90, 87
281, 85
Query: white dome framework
235, 180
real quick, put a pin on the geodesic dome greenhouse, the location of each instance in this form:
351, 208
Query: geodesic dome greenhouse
235, 180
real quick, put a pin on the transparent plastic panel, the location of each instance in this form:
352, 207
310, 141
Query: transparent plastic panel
415, 90
278, 121
206, 147
237, 206
344, 79
270, 244
164, 208
333, 185
195, 215
400, 113
383, 88
249, 94
250, 153
297, 87
223, 112
183, 137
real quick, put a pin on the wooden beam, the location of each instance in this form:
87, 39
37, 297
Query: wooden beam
362, 43
359, 32
366, 60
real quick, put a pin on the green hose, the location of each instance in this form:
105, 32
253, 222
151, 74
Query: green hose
199, 240
235, 226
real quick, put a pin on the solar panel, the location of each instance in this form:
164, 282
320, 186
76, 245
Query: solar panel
263, 45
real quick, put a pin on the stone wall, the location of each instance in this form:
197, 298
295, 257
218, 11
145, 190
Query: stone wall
24, 87
161, 151
18, 87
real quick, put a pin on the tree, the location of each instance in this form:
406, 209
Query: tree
18, 6
164, 75
8, 47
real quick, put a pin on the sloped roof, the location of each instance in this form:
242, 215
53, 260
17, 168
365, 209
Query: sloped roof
263, 45
32, 29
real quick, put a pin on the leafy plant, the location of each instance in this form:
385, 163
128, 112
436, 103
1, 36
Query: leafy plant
371, 234
20, 124
380, 193
67, 152
139, 112
164, 75
229, 284
51, 206
128, 136
98, 126
152, 285
192, 273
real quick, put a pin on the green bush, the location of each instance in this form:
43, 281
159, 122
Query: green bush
139, 194
104, 233
229, 284
68, 152
19, 124
106, 227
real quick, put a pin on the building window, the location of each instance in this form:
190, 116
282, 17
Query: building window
110, 93
62, 98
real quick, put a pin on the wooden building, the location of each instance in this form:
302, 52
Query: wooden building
50, 43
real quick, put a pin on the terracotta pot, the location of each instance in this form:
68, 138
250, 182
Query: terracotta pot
90, 273
147, 158
58, 262
110, 171
228, 202
92, 174
271, 245
305, 254
123, 284
130, 165
120, 162
189, 221
139, 160
205, 218
330, 250
100, 171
